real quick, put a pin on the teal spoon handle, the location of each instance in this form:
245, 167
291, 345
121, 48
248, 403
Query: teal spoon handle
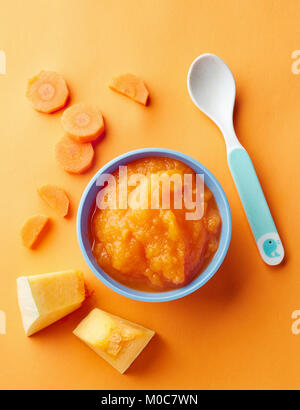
255, 206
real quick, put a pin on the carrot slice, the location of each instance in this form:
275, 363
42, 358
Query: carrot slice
73, 156
131, 86
83, 122
32, 230
56, 198
47, 91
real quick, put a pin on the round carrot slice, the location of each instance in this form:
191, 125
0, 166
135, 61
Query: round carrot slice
47, 91
56, 198
83, 122
73, 156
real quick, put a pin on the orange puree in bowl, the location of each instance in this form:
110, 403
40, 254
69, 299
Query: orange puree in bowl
154, 249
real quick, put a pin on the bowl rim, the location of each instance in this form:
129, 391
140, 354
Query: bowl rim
174, 294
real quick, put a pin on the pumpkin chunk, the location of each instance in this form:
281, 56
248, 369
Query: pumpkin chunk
116, 340
44, 299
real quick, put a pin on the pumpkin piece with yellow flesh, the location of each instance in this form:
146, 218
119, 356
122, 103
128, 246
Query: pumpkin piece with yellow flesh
116, 340
44, 299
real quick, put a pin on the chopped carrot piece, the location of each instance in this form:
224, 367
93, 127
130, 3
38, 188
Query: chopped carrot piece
73, 156
56, 198
131, 86
47, 91
83, 122
32, 230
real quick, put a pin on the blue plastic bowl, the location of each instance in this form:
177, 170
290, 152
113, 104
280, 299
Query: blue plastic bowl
88, 200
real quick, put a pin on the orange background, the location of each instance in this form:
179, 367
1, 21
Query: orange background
235, 332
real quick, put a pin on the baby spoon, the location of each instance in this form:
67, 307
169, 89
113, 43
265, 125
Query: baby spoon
212, 88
